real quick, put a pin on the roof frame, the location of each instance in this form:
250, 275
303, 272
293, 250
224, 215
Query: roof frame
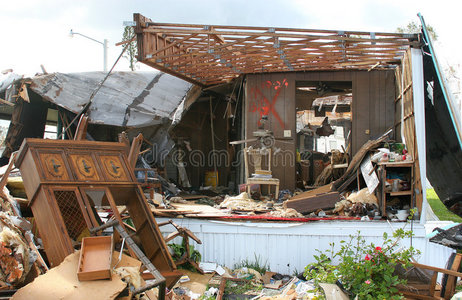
213, 54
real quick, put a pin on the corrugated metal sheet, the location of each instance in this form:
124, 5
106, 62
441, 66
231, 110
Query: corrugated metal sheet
7, 79
125, 99
289, 247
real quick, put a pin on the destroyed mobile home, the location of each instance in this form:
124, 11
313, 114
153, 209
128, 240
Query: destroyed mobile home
247, 136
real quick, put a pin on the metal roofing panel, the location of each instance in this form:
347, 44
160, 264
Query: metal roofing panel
126, 98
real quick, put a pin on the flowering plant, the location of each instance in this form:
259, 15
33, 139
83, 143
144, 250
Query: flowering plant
365, 270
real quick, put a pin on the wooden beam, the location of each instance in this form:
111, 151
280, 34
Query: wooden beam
301, 30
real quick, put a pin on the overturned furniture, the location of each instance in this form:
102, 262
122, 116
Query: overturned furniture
423, 283
65, 180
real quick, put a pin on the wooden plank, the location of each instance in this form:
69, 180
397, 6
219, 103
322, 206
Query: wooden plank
451, 280
320, 190
313, 203
301, 30
81, 131
134, 151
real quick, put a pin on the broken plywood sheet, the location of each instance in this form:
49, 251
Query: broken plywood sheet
61, 282
313, 202
320, 190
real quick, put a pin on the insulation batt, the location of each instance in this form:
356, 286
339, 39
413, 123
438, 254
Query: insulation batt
286, 213
363, 196
242, 201
130, 275
14, 252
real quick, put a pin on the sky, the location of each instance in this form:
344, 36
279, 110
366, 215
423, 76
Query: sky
36, 33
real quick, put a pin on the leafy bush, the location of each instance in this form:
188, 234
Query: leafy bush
364, 270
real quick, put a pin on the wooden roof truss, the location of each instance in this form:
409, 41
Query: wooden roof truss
214, 54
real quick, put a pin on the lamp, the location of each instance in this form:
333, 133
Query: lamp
104, 43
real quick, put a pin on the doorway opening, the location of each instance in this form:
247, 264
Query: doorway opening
323, 125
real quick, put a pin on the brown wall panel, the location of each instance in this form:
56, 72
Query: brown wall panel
373, 109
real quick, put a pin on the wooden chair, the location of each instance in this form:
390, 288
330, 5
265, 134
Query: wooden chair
431, 290
257, 156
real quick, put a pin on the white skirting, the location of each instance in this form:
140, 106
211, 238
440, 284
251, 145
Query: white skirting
289, 247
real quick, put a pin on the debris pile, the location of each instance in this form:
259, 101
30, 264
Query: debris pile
15, 254
18, 253
243, 283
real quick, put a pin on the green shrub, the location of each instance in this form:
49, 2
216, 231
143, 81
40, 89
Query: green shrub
364, 270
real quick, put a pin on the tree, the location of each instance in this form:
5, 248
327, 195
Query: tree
132, 50
412, 27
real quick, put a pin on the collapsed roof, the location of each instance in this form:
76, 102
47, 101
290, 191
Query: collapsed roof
136, 99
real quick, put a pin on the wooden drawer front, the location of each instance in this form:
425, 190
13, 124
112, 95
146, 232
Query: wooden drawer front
114, 168
84, 167
53, 166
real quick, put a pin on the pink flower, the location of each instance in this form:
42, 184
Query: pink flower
367, 282
368, 257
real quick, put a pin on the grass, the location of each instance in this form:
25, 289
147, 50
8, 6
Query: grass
257, 265
240, 288
439, 209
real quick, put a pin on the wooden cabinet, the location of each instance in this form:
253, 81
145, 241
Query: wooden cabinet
397, 182
65, 180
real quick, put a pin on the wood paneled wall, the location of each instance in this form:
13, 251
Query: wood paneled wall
274, 94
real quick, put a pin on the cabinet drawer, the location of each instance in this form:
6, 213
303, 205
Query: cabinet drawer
113, 168
53, 166
84, 167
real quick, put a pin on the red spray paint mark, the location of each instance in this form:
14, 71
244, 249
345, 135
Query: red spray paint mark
261, 104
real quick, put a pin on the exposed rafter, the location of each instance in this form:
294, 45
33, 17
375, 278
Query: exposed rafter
211, 54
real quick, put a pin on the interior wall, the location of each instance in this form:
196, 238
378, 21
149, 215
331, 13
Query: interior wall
195, 128
274, 95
